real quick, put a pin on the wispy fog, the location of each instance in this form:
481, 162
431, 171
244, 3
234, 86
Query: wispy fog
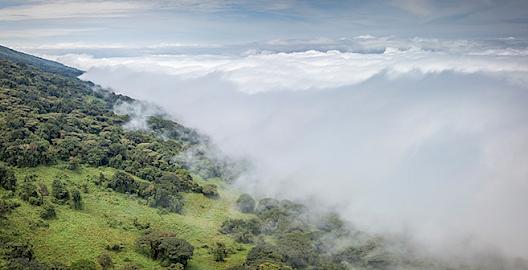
431, 143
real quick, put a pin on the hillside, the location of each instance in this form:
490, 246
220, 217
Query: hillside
44, 64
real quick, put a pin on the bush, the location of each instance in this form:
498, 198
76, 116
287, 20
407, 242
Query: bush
20, 256
245, 203
210, 191
77, 200
124, 183
7, 178
59, 191
48, 212
73, 163
178, 182
219, 252
164, 199
6, 207
165, 247
264, 253
29, 192
83, 265
115, 247
243, 230
105, 261
298, 249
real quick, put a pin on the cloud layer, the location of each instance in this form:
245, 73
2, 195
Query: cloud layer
432, 142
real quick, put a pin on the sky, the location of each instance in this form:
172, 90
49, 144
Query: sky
210, 23
406, 116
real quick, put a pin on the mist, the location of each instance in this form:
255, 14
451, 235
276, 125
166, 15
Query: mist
428, 144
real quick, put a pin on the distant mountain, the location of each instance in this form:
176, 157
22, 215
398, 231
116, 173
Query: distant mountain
40, 63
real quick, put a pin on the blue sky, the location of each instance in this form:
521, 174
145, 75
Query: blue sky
215, 22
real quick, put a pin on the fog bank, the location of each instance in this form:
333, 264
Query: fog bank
432, 144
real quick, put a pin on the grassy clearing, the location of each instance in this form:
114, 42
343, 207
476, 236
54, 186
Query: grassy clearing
108, 218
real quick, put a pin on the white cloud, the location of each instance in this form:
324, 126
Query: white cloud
69, 9
311, 70
429, 140
43, 32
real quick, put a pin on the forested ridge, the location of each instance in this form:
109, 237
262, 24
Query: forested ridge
78, 190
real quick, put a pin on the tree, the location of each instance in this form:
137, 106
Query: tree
29, 191
105, 261
245, 203
242, 230
165, 247
175, 250
219, 252
59, 191
7, 178
164, 199
124, 183
6, 207
264, 252
48, 212
73, 163
77, 200
210, 191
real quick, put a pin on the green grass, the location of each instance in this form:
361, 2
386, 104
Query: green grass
108, 217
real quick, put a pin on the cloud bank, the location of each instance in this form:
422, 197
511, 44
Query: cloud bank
429, 142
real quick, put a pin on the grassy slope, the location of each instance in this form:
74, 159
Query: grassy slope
108, 218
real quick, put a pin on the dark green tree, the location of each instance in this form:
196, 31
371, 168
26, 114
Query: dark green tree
7, 178
59, 191
77, 202
246, 203
219, 252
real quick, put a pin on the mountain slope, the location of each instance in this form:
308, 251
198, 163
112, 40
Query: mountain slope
43, 64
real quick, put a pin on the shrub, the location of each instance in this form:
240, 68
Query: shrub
115, 247
83, 265
77, 202
73, 163
219, 252
298, 249
210, 191
105, 261
48, 212
7, 178
21, 256
174, 250
165, 247
243, 230
29, 192
245, 203
124, 183
264, 252
164, 199
178, 182
59, 191
6, 207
